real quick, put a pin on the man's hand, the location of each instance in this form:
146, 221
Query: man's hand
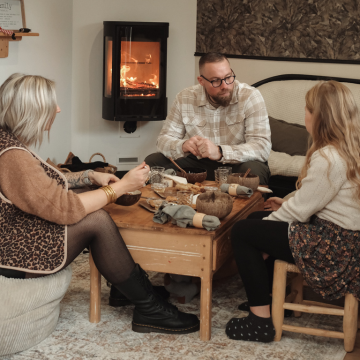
208, 149
273, 204
190, 145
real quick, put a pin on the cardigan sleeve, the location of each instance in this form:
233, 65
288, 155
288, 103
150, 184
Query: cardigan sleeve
25, 183
324, 179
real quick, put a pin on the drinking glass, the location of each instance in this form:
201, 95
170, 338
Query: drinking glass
226, 168
184, 197
157, 173
211, 188
221, 176
158, 187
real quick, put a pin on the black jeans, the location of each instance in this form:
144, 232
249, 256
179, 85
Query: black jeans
250, 238
257, 167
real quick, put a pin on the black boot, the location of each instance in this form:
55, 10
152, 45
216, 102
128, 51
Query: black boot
152, 313
117, 298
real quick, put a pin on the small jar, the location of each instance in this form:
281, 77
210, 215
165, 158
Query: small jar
158, 187
211, 188
184, 197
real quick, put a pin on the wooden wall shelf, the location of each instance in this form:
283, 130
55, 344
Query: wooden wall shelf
4, 42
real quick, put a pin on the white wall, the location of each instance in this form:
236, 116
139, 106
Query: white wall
48, 55
250, 71
90, 133
69, 51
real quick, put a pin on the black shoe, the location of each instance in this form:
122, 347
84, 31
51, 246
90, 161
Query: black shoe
245, 307
152, 313
117, 298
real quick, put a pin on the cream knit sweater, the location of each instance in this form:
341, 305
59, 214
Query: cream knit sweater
325, 192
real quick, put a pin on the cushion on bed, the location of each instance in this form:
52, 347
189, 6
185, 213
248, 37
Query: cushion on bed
285, 164
288, 138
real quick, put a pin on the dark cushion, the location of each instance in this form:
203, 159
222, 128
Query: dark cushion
288, 138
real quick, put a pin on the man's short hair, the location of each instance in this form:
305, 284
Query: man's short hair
211, 57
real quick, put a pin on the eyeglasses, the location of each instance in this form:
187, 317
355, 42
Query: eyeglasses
216, 83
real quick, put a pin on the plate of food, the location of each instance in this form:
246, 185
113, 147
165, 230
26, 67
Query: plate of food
196, 188
151, 204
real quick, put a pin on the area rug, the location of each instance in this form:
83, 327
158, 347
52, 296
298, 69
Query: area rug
112, 339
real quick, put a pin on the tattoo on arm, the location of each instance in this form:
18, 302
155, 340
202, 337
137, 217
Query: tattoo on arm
75, 180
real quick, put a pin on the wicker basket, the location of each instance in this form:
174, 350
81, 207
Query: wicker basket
111, 169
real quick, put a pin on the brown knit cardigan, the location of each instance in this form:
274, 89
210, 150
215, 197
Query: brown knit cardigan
35, 209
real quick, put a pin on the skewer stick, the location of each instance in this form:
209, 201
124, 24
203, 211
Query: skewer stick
247, 173
182, 170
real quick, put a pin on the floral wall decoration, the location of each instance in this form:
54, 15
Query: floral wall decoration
295, 30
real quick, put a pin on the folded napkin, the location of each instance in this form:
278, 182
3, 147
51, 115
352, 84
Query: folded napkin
235, 189
182, 216
176, 179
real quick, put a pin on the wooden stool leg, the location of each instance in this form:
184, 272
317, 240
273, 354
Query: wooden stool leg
297, 284
278, 294
95, 292
350, 322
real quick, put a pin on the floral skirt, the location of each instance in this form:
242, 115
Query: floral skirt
328, 256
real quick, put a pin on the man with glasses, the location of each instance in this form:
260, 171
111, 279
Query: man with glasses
219, 121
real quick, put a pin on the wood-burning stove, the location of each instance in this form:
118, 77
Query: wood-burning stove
134, 76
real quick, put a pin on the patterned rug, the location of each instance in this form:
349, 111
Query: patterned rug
112, 339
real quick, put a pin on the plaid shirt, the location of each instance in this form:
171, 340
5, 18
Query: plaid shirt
241, 129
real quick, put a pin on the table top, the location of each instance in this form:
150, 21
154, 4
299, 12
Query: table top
137, 218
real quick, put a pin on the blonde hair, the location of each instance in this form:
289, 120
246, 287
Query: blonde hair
336, 122
27, 107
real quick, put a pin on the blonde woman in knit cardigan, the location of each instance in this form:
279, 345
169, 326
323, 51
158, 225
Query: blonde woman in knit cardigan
318, 229
44, 226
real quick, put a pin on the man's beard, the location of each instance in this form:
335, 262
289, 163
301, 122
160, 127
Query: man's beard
222, 99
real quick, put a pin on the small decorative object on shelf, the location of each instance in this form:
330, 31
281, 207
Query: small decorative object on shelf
8, 32
12, 17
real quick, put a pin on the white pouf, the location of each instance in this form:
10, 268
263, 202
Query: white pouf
29, 309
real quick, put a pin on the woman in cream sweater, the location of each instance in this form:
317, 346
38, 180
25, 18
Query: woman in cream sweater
44, 226
319, 228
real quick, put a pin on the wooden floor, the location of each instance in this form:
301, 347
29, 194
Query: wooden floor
355, 355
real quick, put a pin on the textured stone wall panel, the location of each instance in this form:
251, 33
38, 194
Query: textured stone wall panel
307, 29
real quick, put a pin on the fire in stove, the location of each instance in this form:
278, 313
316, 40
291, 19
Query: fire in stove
139, 69
134, 71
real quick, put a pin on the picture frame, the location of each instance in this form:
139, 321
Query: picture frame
12, 15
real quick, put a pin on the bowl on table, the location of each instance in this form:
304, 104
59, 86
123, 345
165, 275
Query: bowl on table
251, 181
214, 203
193, 175
129, 198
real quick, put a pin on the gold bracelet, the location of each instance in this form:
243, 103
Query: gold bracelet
113, 193
110, 193
106, 191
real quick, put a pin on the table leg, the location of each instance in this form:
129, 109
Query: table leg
205, 306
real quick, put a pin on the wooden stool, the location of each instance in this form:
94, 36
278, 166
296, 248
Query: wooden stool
294, 301
95, 292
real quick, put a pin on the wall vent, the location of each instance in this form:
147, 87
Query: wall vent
128, 160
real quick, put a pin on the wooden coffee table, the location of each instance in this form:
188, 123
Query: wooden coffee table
170, 249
